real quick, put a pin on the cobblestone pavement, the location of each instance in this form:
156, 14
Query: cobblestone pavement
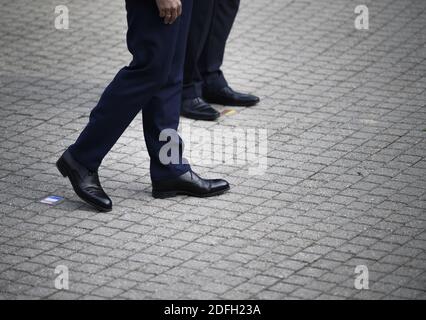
345, 184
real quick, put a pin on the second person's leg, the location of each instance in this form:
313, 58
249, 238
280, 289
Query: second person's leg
216, 89
224, 14
193, 106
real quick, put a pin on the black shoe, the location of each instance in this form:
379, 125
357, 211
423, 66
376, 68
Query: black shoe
198, 109
84, 182
228, 97
189, 184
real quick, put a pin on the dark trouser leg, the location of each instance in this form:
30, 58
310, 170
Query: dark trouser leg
211, 59
202, 14
162, 111
153, 46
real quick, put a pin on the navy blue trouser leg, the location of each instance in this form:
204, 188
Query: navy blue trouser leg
202, 16
211, 24
152, 83
225, 12
163, 110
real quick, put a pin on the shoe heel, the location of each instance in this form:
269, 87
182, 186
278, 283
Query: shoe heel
60, 164
163, 194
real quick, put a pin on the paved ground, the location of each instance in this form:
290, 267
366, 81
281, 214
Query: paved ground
345, 184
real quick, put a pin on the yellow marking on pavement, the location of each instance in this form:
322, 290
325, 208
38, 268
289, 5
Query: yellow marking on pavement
228, 112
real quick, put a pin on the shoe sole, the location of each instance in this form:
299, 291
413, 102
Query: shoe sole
62, 167
224, 103
171, 194
201, 118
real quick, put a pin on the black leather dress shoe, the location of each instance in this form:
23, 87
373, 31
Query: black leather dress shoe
189, 184
228, 97
84, 182
198, 109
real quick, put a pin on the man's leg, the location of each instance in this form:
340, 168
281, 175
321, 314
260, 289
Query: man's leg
224, 14
216, 88
193, 106
152, 44
150, 80
162, 111
202, 14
